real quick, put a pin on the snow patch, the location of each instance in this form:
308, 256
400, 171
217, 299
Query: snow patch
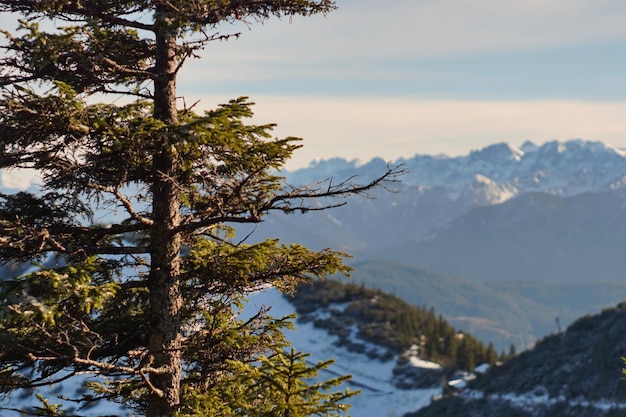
421, 363
539, 397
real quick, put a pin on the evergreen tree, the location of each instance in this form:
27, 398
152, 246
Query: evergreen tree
491, 356
466, 355
146, 300
282, 385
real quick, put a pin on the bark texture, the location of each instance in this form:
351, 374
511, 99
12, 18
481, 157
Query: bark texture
165, 297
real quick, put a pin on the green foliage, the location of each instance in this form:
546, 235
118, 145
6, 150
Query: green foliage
279, 385
82, 57
231, 269
84, 317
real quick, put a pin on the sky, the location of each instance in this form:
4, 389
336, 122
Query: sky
403, 77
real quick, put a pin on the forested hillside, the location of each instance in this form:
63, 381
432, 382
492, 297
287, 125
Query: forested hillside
382, 319
577, 373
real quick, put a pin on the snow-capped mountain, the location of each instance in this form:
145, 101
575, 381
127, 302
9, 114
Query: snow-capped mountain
436, 190
498, 172
508, 216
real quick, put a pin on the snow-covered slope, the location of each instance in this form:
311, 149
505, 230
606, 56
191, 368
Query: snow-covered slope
576, 373
379, 397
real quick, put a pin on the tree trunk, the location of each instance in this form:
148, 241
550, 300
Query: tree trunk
165, 297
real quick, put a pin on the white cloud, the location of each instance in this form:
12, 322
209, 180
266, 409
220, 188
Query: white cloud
19, 179
373, 39
425, 28
451, 27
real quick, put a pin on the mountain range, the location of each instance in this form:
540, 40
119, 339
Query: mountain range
438, 189
496, 223
503, 170
509, 244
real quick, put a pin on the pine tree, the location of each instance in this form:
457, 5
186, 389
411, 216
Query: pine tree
491, 356
281, 385
145, 299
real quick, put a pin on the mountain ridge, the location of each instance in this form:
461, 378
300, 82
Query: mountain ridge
563, 168
535, 236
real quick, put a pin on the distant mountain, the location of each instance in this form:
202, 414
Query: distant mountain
438, 189
521, 235
409, 213
573, 374
554, 212
562, 168
535, 236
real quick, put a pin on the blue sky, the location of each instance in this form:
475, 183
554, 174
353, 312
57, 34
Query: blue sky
401, 77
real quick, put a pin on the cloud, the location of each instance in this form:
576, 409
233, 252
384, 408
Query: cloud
396, 39
427, 28
19, 179
367, 29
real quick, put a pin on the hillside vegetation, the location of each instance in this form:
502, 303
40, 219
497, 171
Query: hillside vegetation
362, 317
576, 373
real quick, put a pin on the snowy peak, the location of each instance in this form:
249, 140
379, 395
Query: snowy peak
484, 191
497, 154
561, 168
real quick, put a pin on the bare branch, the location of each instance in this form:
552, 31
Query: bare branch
126, 203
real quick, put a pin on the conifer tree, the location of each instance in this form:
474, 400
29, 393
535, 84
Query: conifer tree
280, 386
145, 298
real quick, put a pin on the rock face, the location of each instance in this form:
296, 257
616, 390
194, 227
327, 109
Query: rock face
576, 373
